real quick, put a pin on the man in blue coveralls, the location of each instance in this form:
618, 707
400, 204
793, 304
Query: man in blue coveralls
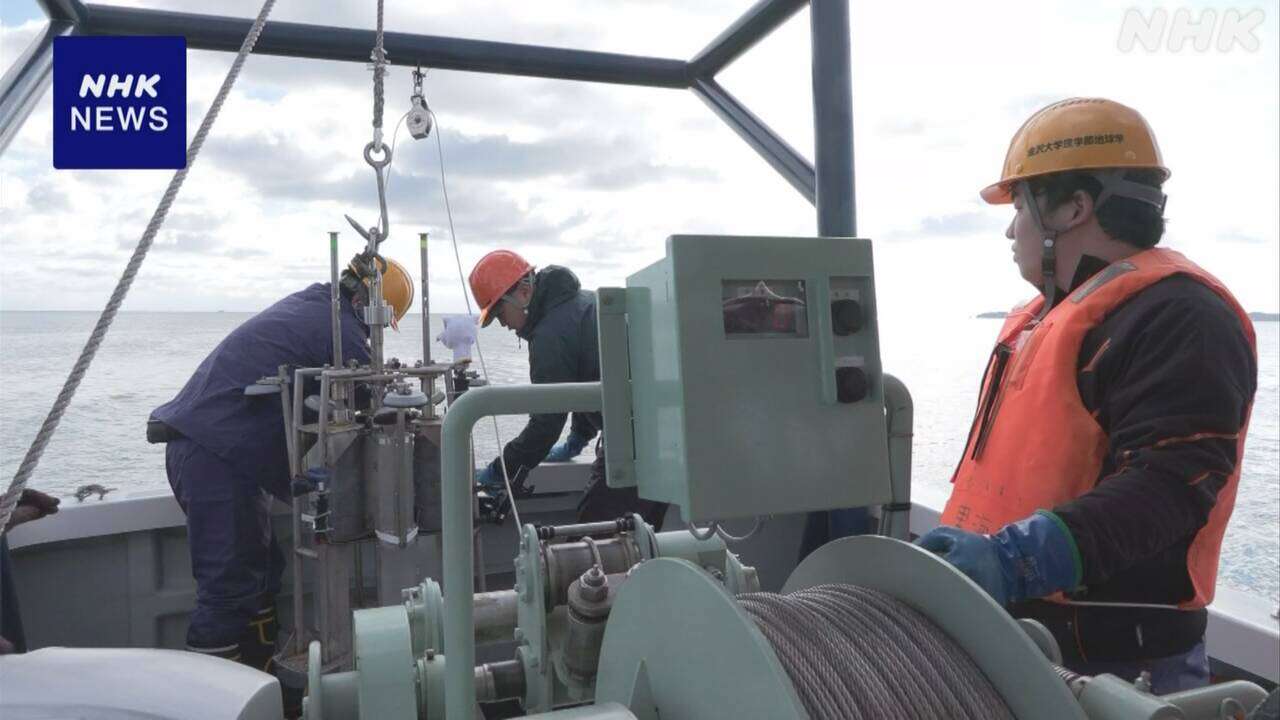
226, 455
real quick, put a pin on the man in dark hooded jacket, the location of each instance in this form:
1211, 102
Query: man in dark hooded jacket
226, 457
549, 309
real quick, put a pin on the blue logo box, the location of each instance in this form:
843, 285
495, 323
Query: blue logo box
119, 103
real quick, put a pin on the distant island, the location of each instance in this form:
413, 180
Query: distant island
1255, 316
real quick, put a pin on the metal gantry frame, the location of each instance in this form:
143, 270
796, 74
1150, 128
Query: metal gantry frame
830, 187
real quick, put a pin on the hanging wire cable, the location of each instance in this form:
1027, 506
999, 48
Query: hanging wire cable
391, 164
50, 425
856, 653
484, 369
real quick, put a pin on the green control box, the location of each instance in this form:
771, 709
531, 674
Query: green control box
741, 377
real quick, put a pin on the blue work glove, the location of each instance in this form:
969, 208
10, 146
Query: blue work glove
1031, 558
569, 449
487, 478
310, 481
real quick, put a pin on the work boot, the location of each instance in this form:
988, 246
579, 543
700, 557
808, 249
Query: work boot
258, 649
258, 643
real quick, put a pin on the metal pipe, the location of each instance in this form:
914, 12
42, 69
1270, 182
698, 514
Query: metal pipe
299, 391
286, 404
25, 81
426, 302
210, 32
1208, 701
300, 633
895, 518
763, 18
433, 370
481, 579
376, 304
500, 681
550, 532
1107, 697
781, 157
496, 616
466, 411
322, 423
335, 300
346, 373
833, 118
429, 383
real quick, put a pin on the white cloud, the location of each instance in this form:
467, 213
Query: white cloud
595, 177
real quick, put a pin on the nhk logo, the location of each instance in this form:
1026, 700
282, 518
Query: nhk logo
119, 102
106, 118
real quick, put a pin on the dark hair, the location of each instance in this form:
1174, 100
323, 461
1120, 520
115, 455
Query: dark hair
1125, 219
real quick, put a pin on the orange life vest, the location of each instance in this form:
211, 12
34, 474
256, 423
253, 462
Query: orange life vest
1039, 447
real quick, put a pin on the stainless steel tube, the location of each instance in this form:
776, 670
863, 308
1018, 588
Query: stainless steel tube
335, 299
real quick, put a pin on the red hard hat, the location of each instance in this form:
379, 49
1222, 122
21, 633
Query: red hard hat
493, 277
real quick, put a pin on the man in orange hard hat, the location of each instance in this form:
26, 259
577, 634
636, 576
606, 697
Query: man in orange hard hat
226, 455
1102, 464
549, 309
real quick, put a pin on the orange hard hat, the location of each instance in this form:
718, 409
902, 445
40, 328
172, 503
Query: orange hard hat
1077, 134
397, 288
397, 285
493, 277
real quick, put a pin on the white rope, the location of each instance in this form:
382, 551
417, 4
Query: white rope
484, 370
391, 164
50, 425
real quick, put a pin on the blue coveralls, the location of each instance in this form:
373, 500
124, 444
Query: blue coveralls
232, 457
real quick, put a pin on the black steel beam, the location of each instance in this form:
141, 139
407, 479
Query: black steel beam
763, 18
209, 32
833, 118
780, 156
68, 11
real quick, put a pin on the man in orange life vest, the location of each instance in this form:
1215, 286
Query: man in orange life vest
1102, 464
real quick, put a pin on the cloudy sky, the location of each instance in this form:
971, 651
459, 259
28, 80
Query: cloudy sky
595, 176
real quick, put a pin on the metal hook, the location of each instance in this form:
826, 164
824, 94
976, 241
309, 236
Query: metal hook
363, 233
375, 235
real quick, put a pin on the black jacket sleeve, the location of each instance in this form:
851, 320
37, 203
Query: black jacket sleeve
1170, 378
551, 360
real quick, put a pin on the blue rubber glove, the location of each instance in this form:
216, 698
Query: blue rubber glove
1031, 558
487, 478
567, 450
310, 481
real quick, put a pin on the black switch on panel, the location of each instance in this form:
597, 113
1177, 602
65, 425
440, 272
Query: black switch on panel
846, 316
851, 384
